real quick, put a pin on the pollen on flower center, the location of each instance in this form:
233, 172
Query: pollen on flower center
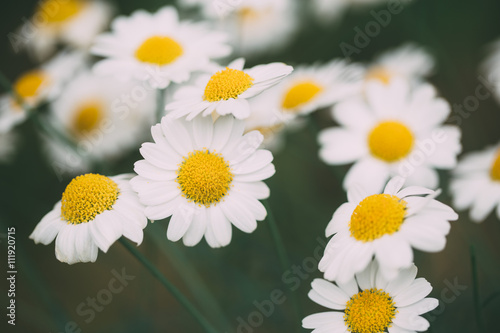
204, 177
390, 141
379, 73
86, 197
495, 168
159, 50
376, 216
300, 94
226, 84
30, 83
369, 311
56, 11
87, 118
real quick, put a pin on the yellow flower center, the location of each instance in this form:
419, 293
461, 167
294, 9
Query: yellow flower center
226, 84
300, 94
204, 177
88, 117
86, 197
495, 168
379, 74
376, 216
390, 141
369, 311
29, 84
248, 14
57, 11
159, 50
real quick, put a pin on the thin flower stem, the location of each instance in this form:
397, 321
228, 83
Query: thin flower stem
160, 103
169, 286
283, 258
477, 298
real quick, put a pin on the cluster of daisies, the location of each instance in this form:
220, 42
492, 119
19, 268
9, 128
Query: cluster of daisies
214, 124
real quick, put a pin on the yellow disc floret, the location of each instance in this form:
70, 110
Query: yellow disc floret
300, 94
390, 141
87, 118
56, 11
495, 168
226, 84
379, 74
86, 197
204, 177
369, 311
159, 50
29, 84
376, 216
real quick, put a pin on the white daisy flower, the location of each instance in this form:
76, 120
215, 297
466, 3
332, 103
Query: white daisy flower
8, 144
158, 48
104, 116
328, 11
227, 90
37, 86
310, 88
409, 62
73, 22
476, 184
491, 68
385, 226
395, 130
369, 303
206, 176
94, 212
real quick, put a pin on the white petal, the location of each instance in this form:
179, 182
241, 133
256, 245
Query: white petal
322, 319
417, 291
202, 132
197, 229
221, 226
258, 190
105, 229
411, 321
180, 222
370, 173
85, 248
238, 215
341, 146
65, 244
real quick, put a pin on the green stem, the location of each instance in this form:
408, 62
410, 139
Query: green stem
282, 256
160, 103
169, 286
477, 298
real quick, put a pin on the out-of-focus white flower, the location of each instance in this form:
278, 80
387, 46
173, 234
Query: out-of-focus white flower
36, 86
158, 48
207, 176
385, 226
476, 184
94, 212
491, 68
328, 11
73, 22
103, 116
227, 90
395, 129
8, 144
409, 62
370, 303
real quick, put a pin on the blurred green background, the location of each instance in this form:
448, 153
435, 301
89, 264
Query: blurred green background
224, 283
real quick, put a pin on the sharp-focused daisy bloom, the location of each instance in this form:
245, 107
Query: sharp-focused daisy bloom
37, 86
8, 144
309, 88
73, 22
385, 226
395, 129
104, 116
369, 303
409, 62
227, 90
158, 48
206, 176
476, 184
328, 11
491, 69
94, 212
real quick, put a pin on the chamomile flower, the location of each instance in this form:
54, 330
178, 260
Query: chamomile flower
385, 226
409, 62
158, 48
309, 88
227, 90
94, 212
369, 303
37, 86
206, 176
491, 68
476, 184
395, 129
73, 22
104, 116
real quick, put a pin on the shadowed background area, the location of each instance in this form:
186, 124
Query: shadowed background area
237, 284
